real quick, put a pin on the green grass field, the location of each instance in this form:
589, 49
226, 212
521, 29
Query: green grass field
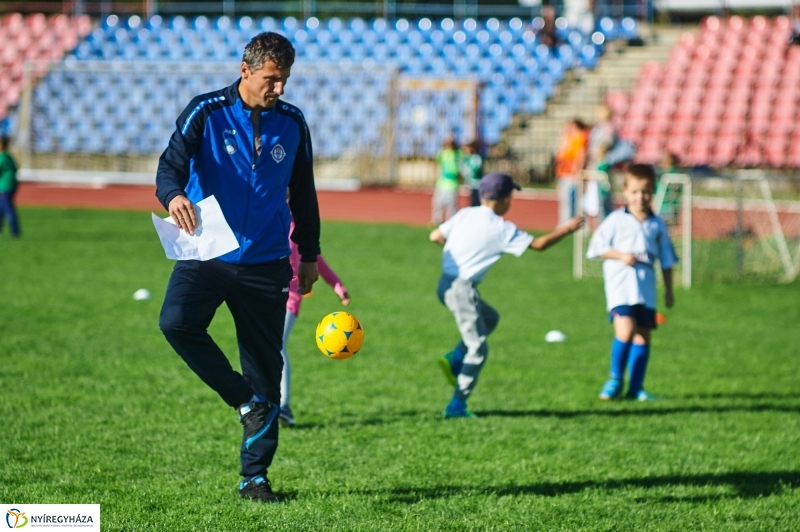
96, 407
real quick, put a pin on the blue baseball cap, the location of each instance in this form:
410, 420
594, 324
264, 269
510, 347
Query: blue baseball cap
497, 185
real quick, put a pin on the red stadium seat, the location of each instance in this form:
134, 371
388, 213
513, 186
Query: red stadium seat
725, 151
678, 144
730, 95
711, 24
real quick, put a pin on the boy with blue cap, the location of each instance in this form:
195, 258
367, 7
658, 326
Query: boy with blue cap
473, 240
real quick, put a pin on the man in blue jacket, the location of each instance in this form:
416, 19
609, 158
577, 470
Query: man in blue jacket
246, 147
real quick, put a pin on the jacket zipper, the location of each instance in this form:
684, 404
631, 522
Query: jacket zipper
252, 177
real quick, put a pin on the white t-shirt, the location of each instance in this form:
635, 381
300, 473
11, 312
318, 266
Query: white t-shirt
476, 237
648, 241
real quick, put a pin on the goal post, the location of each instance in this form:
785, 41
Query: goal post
673, 202
743, 232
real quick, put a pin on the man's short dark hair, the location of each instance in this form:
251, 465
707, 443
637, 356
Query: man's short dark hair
642, 171
4, 142
268, 46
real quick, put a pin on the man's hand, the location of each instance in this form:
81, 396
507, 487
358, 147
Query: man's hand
307, 275
182, 211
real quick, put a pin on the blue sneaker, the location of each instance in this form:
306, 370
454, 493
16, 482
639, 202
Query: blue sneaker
611, 389
458, 409
256, 419
258, 489
451, 365
642, 396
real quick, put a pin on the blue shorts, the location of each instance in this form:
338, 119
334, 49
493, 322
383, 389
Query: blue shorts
645, 317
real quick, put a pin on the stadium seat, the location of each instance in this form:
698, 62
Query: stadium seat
742, 73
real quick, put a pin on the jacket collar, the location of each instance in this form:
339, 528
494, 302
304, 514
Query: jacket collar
650, 212
232, 95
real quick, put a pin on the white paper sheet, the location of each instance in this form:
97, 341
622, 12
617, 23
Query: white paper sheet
212, 238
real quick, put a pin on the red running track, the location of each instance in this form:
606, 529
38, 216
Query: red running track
366, 205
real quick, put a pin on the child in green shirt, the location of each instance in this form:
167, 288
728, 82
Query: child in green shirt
8, 188
445, 195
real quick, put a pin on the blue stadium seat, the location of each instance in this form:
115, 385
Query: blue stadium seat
566, 55
470, 27
379, 25
357, 25
516, 27
608, 27
556, 69
629, 28
154, 23
447, 27
542, 53
245, 24
546, 84
535, 101
334, 24
177, 23
289, 26
268, 24
562, 28
589, 56
392, 38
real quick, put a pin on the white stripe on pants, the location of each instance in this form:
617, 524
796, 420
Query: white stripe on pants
286, 376
475, 320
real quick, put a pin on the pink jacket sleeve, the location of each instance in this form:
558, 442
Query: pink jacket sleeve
330, 277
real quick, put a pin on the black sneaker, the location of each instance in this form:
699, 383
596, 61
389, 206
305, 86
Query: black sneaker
256, 419
258, 489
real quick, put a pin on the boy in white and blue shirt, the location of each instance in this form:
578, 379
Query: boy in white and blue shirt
474, 239
629, 241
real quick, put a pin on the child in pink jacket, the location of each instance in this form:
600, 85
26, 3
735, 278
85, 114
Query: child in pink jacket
292, 311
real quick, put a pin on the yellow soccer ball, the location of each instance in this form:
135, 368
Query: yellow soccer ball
339, 335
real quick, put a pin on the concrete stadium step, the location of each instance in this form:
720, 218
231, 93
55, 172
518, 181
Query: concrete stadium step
534, 139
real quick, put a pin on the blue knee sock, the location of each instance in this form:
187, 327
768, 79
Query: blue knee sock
619, 358
638, 366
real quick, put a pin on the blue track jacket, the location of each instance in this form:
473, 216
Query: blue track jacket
212, 152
